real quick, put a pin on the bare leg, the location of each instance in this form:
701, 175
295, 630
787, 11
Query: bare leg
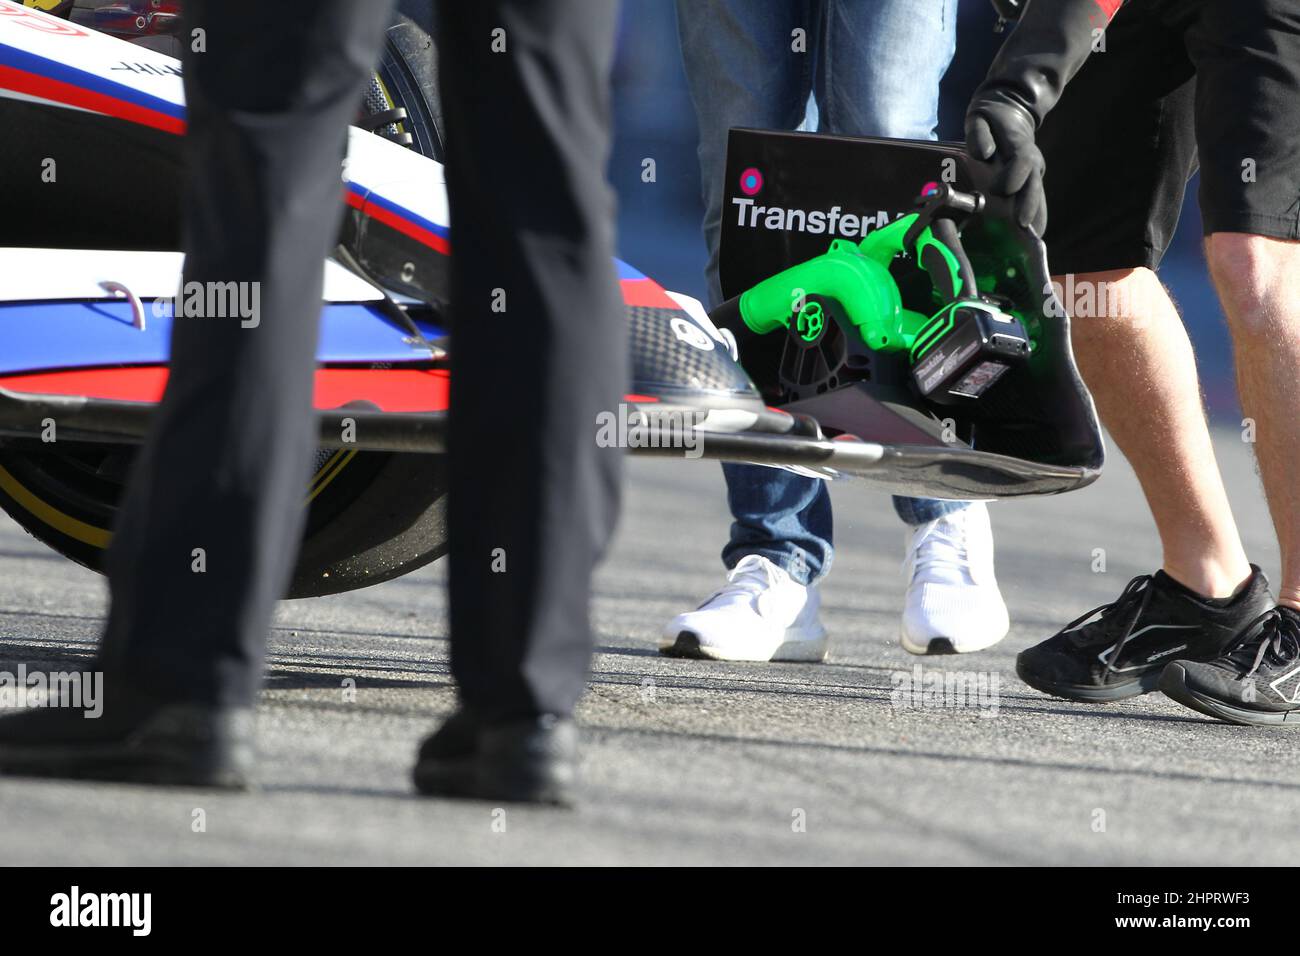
1138, 363
1258, 281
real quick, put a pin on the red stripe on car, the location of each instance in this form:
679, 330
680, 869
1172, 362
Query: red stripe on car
646, 293
1109, 7
393, 390
20, 81
404, 226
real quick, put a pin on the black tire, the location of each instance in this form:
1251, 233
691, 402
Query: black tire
374, 516
408, 70
388, 519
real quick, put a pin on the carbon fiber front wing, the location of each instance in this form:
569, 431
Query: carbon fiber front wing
779, 439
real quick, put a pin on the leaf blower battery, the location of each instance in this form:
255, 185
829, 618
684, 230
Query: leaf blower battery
963, 351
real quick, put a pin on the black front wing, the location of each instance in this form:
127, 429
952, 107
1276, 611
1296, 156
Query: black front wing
941, 471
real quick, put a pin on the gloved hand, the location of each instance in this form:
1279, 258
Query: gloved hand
1000, 132
1048, 46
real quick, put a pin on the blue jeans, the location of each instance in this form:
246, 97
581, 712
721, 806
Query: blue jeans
871, 68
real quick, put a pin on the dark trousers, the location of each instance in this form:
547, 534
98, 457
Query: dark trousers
214, 512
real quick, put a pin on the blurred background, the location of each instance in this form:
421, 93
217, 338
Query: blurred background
659, 222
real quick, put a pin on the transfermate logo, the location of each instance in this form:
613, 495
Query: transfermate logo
832, 222
751, 181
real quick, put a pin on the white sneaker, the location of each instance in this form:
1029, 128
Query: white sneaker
953, 605
762, 614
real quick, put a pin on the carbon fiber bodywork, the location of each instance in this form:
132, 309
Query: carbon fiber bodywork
665, 360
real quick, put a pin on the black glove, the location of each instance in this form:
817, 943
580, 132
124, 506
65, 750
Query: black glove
1047, 47
1001, 134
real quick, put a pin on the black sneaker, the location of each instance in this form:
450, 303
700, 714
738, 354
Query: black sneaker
1256, 682
1121, 652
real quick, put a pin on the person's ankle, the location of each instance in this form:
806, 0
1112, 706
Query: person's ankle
1214, 581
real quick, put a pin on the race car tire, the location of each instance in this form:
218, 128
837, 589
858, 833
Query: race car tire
373, 516
408, 70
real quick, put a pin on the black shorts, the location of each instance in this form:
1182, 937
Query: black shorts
1179, 80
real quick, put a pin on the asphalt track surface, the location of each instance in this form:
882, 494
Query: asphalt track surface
698, 762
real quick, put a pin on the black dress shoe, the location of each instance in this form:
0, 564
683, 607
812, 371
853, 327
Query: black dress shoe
178, 744
533, 760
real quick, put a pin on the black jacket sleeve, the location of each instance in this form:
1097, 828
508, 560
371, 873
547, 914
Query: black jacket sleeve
1048, 46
